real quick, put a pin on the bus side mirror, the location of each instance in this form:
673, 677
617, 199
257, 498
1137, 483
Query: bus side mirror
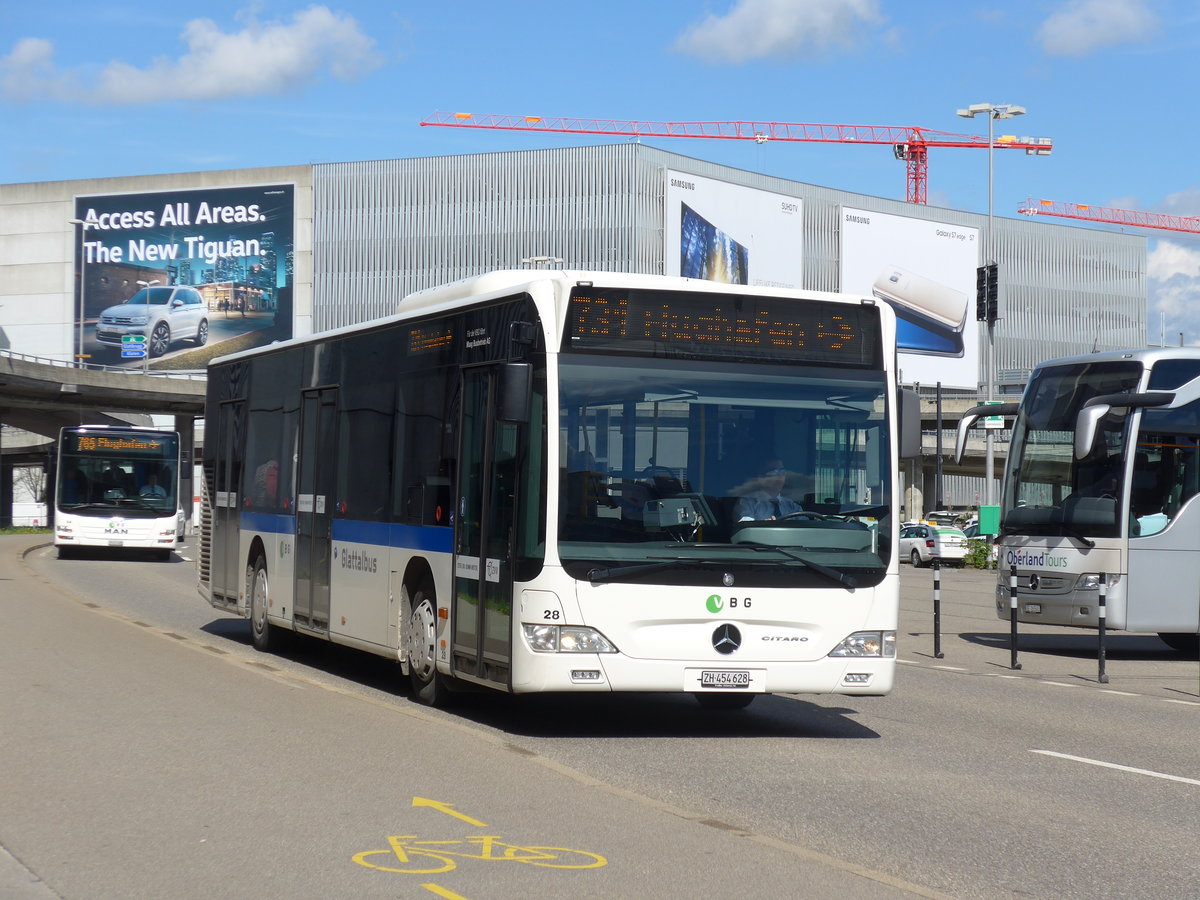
972, 415
1087, 421
513, 393
910, 423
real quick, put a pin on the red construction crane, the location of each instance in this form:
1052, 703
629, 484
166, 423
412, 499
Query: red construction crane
1031, 207
909, 143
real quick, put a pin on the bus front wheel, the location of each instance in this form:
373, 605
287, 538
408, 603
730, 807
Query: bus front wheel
421, 647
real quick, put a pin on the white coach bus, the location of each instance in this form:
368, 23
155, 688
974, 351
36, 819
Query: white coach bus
564, 481
1102, 479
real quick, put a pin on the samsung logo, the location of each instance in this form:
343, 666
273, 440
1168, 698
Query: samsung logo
686, 185
859, 220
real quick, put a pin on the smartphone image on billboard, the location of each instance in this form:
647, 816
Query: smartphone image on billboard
707, 252
930, 316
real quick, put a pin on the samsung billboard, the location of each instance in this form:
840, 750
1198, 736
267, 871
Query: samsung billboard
172, 278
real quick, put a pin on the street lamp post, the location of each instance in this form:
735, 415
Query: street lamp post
81, 227
993, 111
146, 346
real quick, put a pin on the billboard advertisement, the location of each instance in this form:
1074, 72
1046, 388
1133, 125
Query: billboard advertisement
170, 279
726, 232
926, 272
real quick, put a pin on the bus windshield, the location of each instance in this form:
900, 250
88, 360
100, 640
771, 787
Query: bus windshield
703, 472
130, 474
1049, 491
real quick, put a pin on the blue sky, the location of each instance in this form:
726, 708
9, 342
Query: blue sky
127, 88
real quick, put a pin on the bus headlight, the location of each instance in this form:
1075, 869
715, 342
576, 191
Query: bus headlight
1088, 582
867, 643
566, 639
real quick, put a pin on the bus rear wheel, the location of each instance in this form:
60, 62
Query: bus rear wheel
421, 646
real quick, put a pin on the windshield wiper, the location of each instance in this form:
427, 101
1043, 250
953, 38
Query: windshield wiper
833, 574
596, 576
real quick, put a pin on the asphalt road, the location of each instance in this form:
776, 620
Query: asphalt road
147, 749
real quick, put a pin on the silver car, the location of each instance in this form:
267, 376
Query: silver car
921, 544
163, 314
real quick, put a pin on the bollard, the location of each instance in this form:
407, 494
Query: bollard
1012, 616
937, 609
1102, 616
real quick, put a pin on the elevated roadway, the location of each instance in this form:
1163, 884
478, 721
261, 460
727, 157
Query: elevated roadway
39, 396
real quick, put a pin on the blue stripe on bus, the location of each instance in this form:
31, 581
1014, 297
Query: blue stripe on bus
268, 523
428, 538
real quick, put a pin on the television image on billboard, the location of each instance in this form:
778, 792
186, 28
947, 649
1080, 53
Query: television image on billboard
707, 252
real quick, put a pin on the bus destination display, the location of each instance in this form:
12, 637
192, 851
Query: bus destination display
680, 324
108, 444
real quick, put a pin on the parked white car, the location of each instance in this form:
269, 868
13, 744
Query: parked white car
163, 314
921, 544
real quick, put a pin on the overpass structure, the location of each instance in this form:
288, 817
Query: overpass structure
39, 396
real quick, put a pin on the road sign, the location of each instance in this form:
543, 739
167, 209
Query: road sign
133, 346
992, 421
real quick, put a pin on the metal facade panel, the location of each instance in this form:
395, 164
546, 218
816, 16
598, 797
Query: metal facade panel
387, 227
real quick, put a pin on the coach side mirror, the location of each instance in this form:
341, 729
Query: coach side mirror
513, 392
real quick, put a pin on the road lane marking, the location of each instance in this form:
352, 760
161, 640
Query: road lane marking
1108, 765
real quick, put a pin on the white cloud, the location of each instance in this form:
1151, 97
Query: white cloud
1173, 292
1082, 26
28, 72
778, 29
262, 58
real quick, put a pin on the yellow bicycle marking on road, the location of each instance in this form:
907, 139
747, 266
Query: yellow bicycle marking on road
442, 892
448, 809
409, 856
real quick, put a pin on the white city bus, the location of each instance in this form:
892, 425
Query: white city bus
117, 487
1102, 479
530, 481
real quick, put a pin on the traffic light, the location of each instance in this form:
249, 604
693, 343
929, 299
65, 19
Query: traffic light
987, 293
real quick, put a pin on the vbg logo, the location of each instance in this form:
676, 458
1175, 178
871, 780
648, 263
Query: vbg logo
715, 604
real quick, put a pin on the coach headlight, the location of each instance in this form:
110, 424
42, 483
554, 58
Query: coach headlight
867, 643
1088, 582
566, 639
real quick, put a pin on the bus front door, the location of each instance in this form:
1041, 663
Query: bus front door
314, 507
483, 576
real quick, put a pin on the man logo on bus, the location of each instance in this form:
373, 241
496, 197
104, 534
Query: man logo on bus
715, 604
